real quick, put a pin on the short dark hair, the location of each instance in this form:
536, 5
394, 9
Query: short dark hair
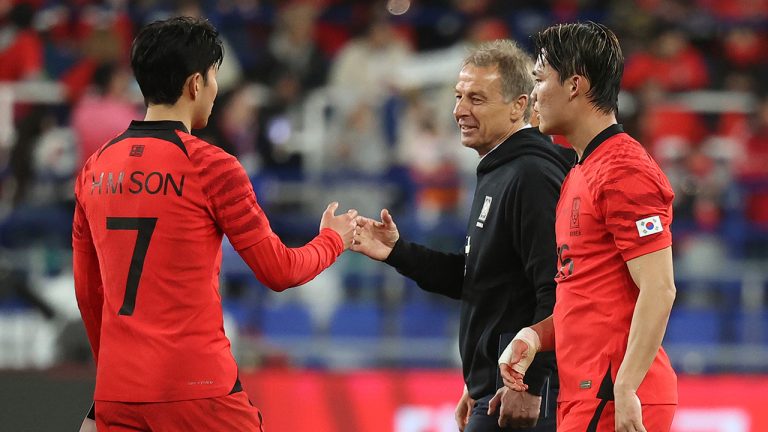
514, 65
165, 53
588, 49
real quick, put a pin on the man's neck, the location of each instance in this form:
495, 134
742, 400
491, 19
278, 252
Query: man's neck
169, 112
587, 129
521, 124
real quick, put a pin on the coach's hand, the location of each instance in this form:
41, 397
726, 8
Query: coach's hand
464, 410
629, 412
516, 409
376, 239
344, 224
89, 425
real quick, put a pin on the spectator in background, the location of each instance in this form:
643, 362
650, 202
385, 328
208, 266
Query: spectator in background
366, 69
753, 167
292, 50
21, 50
672, 63
105, 109
504, 277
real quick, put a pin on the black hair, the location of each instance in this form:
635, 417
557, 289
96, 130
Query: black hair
165, 53
588, 49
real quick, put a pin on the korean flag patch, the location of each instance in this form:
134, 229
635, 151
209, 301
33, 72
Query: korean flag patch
649, 225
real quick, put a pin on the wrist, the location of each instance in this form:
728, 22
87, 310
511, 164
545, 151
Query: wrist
623, 388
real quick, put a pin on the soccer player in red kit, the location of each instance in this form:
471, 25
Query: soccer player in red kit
152, 206
615, 285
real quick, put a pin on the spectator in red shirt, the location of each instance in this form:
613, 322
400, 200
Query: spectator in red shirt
672, 62
21, 58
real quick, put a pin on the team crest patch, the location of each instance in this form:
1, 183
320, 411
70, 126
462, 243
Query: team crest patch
649, 225
137, 150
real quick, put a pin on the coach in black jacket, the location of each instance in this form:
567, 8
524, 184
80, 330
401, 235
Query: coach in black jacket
504, 278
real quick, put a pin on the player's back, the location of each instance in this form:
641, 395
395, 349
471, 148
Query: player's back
146, 196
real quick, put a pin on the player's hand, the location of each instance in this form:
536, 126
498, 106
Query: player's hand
513, 371
376, 239
629, 412
89, 425
516, 409
464, 410
344, 224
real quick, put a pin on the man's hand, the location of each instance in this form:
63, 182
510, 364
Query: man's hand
516, 409
344, 224
629, 413
376, 239
89, 425
464, 410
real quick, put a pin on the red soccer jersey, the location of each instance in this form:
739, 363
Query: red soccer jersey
152, 206
615, 205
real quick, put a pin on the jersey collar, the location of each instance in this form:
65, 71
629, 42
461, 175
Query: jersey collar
158, 125
603, 136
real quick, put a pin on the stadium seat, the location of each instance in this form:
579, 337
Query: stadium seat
751, 328
286, 320
693, 326
356, 320
422, 319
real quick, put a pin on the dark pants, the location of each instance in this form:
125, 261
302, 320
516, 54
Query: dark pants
480, 421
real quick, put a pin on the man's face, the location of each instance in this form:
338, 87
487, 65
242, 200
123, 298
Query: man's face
550, 99
484, 118
208, 92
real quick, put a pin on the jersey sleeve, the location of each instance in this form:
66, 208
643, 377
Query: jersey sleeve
232, 200
233, 203
89, 289
636, 200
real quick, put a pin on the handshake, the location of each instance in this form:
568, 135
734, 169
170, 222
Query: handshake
372, 238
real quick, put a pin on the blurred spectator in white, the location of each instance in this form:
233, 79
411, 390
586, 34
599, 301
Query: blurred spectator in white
366, 69
436, 66
105, 109
21, 50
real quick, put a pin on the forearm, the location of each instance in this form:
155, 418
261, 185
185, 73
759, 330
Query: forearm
545, 329
280, 267
89, 294
653, 274
433, 271
646, 332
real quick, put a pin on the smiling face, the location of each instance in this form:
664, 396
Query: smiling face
550, 100
483, 116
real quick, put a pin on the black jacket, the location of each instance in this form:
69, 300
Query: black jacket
505, 278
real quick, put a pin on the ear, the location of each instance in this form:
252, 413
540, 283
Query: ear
194, 84
578, 85
518, 106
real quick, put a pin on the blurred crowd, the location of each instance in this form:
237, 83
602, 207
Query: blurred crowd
338, 100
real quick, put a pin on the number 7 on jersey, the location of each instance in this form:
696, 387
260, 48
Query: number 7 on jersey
145, 227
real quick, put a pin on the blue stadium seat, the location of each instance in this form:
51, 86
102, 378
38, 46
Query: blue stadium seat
356, 320
693, 326
286, 320
751, 328
422, 319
